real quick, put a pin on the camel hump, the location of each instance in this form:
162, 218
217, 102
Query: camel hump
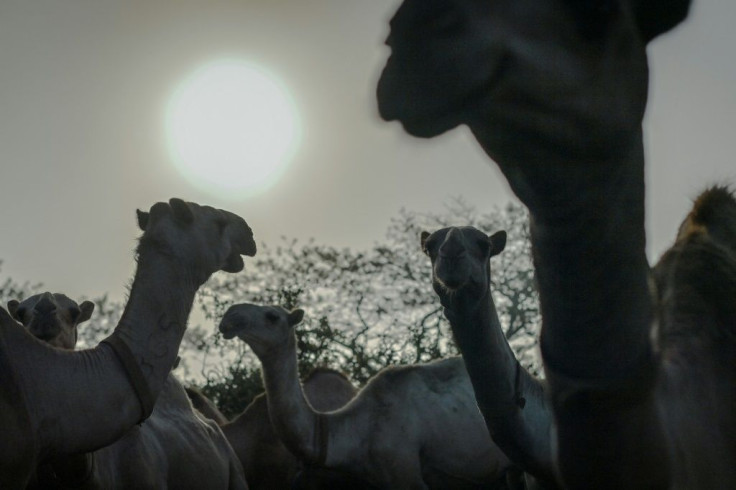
328, 389
204, 405
322, 371
714, 213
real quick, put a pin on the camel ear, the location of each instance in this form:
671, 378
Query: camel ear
142, 219
498, 242
423, 239
13, 308
85, 309
182, 211
655, 17
295, 316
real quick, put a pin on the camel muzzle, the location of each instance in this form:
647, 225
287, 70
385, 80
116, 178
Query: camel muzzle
229, 329
44, 330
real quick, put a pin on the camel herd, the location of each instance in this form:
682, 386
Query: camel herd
640, 361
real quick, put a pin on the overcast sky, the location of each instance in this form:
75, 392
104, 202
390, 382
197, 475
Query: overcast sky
84, 86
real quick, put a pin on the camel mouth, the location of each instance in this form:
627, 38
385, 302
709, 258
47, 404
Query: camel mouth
429, 118
229, 330
451, 284
234, 263
44, 330
450, 278
414, 118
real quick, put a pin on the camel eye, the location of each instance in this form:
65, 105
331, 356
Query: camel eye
271, 316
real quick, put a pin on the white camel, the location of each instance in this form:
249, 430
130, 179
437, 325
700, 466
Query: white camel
411, 427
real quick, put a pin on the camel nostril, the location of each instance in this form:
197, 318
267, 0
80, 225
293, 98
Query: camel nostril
44, 308
228, 329
453, 254
454, 247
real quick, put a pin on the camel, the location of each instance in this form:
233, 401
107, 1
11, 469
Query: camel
512, 401
174, 448
410, 427
555, 92
266, 461
52, 317
56, 402
205, 406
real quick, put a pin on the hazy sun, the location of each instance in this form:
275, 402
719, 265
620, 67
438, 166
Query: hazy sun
231, 128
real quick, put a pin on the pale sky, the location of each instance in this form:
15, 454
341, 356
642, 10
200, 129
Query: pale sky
84, 86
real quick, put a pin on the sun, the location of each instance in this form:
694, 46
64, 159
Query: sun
231, 128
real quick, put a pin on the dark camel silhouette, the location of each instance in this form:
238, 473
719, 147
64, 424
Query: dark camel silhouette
555, 92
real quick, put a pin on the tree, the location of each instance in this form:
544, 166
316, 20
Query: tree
11, 289
365, 310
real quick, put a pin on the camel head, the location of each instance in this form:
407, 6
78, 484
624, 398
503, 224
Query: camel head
264, 328
202, 238
53, 318
535, 75
461, 258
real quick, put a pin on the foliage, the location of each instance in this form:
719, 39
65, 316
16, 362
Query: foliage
103, 322
11, 289
365, 310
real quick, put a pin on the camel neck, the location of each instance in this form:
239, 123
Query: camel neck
152, 326
593, 277
479, 336
588, 241
154, 319
511, 400
293, 419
